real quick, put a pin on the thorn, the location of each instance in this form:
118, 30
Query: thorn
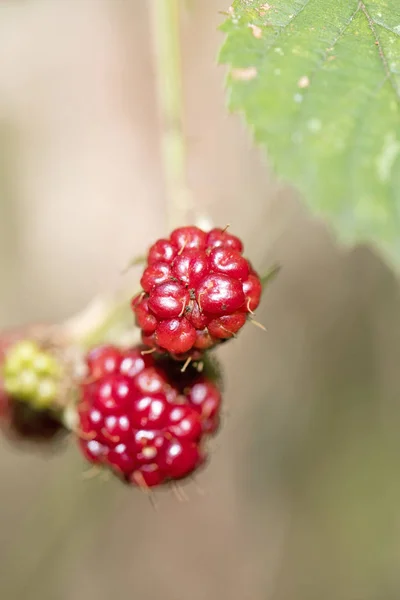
199, 302
83, 435
138, 478
187, 363
149, 351
105, 475
113, 438
91, 473
248, 307
183, 247
141, 296
152, 499
179, 492
230, 332
183, 310
257, 324
198, 487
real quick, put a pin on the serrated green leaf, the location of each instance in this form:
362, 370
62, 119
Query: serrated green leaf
319, 84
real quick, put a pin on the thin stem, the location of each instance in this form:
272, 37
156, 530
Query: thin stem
165, 20
106, 317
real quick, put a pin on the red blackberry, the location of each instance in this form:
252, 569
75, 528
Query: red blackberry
135, 419
205, 397
197, 291
201, 390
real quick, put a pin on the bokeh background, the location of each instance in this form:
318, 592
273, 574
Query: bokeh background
301, 498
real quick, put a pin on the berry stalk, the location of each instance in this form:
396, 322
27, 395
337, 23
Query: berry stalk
105, 318
165, 17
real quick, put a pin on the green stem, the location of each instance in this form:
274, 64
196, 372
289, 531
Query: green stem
165, 21
106, 318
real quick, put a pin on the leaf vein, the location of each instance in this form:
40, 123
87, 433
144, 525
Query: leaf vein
296, 14
384, 26
358, 128
324, 60
380, 49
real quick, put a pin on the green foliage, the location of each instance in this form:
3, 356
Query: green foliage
319, 84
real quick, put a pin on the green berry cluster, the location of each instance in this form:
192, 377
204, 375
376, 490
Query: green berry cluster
31, 375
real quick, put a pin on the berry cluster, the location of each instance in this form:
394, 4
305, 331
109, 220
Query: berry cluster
198, 291
138, 412
137, 418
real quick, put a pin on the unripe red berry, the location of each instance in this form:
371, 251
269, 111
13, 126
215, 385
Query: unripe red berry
180, 459
103, 359
176, 335
191, 267
206, 398
252, 290
230, 262
168, 300
162, 251
219, 238
220, 295
192, 279
227, 326
185, 424
204, 340
134, 362
185, 238
155, 274
142, 419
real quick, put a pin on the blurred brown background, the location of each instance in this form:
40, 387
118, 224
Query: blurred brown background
302, 494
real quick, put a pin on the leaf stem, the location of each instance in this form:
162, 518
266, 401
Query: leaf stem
165, 23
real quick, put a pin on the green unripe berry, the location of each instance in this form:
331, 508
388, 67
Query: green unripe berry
11, 385
46, 392
28, 383
20, 356
45, 364
25, 350
32, 375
